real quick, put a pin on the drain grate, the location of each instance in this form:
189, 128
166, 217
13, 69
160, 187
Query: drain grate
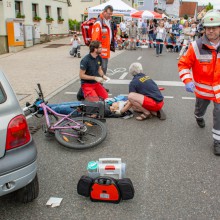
55, 45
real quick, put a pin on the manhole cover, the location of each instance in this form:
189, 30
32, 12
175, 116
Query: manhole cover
55, 45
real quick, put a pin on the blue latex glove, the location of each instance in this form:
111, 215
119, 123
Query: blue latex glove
190, 87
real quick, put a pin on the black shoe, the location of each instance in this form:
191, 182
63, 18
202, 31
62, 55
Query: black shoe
200, 122
161, 115
79, 55
216, 148
107, 90
128, 114
74, 55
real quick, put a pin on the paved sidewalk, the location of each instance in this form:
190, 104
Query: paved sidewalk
52, 67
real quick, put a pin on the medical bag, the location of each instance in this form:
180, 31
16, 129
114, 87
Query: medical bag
105, 189
86, 28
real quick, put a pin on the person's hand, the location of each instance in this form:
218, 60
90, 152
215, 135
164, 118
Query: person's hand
118, 112
106, 78
99, 79
190, 87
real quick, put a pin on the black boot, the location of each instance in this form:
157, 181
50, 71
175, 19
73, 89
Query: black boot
79, 55
216, 149
200, 122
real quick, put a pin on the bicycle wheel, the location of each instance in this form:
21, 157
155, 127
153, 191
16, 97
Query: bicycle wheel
91, 133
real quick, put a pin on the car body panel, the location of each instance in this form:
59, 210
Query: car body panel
17, 179
8, 110
18, 166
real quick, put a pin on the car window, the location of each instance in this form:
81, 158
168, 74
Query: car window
2, 94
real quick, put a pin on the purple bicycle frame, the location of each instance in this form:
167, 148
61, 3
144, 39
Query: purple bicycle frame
54, 127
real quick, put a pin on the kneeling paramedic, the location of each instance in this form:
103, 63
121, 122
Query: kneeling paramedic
144, 94
91, 74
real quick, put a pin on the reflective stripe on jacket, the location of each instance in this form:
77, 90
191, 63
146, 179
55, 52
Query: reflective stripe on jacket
204, 61
101, 32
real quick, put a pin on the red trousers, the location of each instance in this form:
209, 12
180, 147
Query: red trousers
152, 105
93, 92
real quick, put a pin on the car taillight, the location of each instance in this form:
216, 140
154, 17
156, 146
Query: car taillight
17, 133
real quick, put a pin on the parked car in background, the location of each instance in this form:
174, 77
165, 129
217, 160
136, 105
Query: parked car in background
18, 153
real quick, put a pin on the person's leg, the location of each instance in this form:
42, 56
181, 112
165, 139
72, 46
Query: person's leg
78, 51
150, 40
101, 91
157, 47
216, 128
89, 92
185, 42
200, 110
104, 65
161, 46
137, 101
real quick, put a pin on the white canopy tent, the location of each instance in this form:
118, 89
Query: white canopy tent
119, 8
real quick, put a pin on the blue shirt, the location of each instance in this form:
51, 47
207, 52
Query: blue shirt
91, 66
144, 85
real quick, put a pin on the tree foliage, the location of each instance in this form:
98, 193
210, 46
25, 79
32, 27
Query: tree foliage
74, 25
186, 16
209, 7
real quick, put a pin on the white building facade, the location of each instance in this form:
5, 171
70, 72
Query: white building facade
34, 13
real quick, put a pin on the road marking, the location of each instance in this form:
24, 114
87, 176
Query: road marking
123, 75
139, 58
161, 83
168, 97
189, 98
71, 93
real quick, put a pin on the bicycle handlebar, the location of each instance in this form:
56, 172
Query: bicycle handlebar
41, 95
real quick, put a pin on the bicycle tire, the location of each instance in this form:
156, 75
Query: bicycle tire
91, 125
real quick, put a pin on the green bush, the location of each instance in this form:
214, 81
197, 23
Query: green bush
186, 17
74, 25
37, 18
19, 15
60, 18
48, 18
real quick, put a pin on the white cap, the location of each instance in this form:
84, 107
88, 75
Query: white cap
135, 68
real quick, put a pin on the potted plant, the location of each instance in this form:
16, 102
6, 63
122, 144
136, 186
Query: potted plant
60, 20
19, 15
49, 19
37, 18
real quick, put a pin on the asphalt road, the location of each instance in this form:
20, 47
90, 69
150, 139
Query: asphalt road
171, 164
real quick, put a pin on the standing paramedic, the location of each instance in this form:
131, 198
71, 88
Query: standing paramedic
203, 57
91, 73
102, 31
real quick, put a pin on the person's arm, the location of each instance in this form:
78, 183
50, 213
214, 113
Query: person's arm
127, 106
96, 31
185, 64
82, 75
100, 71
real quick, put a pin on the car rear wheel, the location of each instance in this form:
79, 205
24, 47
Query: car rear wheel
29, 192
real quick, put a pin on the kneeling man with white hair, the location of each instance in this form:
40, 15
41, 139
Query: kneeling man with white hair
144, 94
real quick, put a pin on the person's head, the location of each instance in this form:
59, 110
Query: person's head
75, 35
165, 19
107, 12
211, 23
132, 23
161, 23
151, 21
95, 46
186, 24
135, 68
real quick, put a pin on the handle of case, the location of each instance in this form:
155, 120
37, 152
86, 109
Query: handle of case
104, 160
